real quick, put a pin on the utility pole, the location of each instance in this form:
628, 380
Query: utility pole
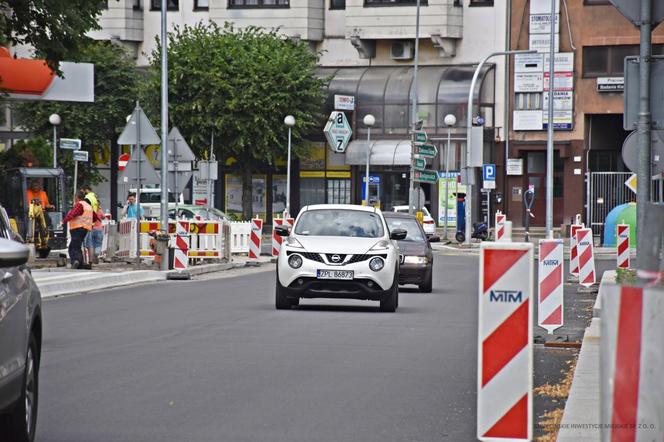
411, 190
164, 126
549, 132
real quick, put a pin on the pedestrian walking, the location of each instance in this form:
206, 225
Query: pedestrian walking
80, 220
130, 210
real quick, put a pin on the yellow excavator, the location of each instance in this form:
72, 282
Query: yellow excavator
34, 200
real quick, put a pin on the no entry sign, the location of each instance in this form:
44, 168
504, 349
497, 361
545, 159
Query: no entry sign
122, 161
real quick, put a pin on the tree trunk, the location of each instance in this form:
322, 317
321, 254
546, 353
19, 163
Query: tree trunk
246, 193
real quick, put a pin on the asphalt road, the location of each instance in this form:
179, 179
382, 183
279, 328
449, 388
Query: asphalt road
212, 360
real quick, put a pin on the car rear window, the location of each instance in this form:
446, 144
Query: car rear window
340, 222
409, 225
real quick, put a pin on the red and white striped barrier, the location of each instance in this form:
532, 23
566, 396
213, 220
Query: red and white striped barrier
550, 304
584, 240
573, 250
622, 249
500, 226
255, 239
631, 363
127, 242
276, 239
181, 259
505, 352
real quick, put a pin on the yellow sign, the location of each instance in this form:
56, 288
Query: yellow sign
312, 174
631, 183
338, 174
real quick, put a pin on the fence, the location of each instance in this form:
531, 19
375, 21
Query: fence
239, 238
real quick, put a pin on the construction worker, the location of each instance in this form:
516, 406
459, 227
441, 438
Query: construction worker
35, 192
91, 198
80, 220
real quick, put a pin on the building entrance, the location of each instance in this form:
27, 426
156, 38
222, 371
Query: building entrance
536, 176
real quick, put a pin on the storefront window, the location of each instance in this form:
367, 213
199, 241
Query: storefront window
278, 194
312, 191
234, 195
394, 190
338, 191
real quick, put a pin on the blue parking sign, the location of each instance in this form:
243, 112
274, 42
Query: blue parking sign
489, 172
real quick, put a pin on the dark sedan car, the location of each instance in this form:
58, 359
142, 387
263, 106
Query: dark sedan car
415, 254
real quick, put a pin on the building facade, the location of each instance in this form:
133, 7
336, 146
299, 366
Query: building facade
368, 50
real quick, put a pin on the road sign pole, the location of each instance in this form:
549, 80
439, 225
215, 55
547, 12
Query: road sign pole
549, 136
164, 128
75, 178
416, 63
645, 141
366, 184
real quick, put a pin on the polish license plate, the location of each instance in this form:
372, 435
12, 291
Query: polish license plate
334, 274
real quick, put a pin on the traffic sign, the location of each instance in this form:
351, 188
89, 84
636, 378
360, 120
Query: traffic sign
70, 143
80, 155
631, 9
420, 136
419, 163
337, 131
122, 161
488, 184
489, 172
137, 127
630, 151
426, 150
425, 176
631, 183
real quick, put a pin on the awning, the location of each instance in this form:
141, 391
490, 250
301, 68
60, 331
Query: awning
383, 153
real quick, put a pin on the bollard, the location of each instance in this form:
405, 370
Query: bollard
255, 239
584, 239
499, 222
573, 250
505, 351
622, 246
550, 305
181, 259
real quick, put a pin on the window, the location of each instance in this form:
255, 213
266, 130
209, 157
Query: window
394, 2
340, 222
201, 5
173, 5
266, 4
481, 3
337, 4
338, 191
528, 101
137, 5
608, 61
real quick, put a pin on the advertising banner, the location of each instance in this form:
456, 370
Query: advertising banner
454, 188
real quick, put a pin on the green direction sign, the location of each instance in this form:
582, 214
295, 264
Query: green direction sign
426, 150
420, 136
426, 176
420, 164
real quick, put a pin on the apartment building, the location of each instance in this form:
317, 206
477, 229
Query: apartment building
368, 49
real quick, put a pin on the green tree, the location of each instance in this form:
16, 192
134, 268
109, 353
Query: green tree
238, 84
96, 124
54, 28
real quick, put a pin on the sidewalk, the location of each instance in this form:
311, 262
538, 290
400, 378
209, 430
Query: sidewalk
601, 253
54, 282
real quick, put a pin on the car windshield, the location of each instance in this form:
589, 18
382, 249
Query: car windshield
340, 222
408, 224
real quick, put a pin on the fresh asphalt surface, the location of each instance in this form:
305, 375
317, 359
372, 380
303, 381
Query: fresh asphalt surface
212, 360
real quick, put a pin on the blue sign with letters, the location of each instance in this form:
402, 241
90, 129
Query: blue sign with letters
489, 172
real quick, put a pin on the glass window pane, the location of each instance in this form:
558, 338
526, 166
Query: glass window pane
595, 61
537, 162
278, 194
618, 54
398, 86
312, 191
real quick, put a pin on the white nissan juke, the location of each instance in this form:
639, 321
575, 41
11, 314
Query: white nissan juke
339, 251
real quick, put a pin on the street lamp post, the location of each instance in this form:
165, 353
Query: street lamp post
469, 126
450, 121
290, 122
369, 121
55, 120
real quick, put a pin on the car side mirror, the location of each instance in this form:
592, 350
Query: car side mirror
398, 234
13, 254
281, 230
434, 238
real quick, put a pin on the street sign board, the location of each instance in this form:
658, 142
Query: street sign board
489, 184
631, 94
138, 126
631, 9
148, 174
122, 161
80, 155
631, 183
489, 172
630, 151
425, 176
421, 136
337, 131
70, 143
178, 149
426, 150
419, 164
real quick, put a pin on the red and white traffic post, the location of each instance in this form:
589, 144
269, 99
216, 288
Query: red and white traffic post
550, 303
255, 238
181, 258
631, 363
505, 352
622, 246
500, 220
276, 239
573, 250
584, 240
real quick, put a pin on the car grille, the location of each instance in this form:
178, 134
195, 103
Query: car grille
318, 258
360, 258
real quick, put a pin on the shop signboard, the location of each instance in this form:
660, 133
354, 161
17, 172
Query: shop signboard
563, 62
541, 42
610, 84
338, 131
528, 63
344, 102
562, 101
543, 7
541, 23
528, 82
562, 120
563, 81
527, 120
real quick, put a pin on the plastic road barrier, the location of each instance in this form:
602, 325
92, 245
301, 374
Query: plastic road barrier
584, 241
255, 239
240, 233
181, 259
127, 238
550, 304
505, 352
631, 361
276, 239
573, 250
622, 249
500, 226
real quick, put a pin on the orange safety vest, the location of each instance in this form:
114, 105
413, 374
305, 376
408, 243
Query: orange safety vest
82, 221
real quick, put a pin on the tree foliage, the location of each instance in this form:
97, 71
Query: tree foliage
54, 28
94, 123
238, 84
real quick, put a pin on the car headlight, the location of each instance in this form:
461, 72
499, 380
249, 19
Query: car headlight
381, 245
295, 261
292, 242
416, 260
376, 264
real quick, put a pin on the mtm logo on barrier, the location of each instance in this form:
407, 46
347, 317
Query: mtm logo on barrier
550, 305
505, 352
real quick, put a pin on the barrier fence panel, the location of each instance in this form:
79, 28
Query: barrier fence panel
240, 233
127, 239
